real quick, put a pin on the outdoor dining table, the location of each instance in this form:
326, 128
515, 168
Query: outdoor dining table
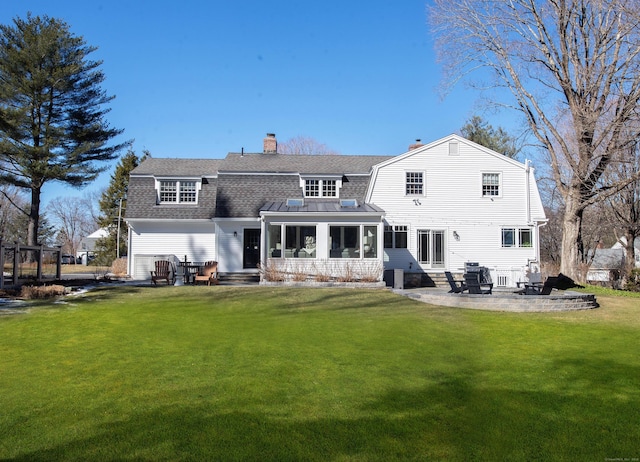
189, 271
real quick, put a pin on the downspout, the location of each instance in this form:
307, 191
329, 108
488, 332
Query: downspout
539, 226
129, 253
527, 168
263, 246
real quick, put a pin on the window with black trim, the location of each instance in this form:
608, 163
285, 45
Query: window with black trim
395, 237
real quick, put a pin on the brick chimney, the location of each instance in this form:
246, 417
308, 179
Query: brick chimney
416, 145
270, 144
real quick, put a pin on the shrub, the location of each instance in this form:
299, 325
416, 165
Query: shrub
272, 272
40, 292
119, 267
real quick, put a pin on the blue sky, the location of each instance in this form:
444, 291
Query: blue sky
203, 78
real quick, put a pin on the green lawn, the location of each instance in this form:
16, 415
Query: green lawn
249, 373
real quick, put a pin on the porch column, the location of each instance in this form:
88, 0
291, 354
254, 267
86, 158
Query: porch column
263, 245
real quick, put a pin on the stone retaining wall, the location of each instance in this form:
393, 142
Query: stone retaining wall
557, 301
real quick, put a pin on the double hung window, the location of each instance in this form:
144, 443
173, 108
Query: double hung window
491, 185
414, 184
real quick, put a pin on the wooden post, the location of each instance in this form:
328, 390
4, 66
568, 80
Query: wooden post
2, 264
16, 263
40, 261
59, 264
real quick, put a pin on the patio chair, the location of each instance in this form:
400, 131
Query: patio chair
545, 289
209, 273
472, 280
456, 286
164, 271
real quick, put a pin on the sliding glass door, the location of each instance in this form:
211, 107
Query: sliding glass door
431, 248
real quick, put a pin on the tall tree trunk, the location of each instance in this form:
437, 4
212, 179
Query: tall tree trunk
630, 255
571, 251
34, 217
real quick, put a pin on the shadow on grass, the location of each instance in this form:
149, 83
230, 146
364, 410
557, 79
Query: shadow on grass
450, 420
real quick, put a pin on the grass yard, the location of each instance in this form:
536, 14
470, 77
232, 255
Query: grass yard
250, 373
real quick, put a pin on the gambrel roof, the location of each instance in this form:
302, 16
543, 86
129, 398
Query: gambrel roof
302, 164
242, 183
179, 168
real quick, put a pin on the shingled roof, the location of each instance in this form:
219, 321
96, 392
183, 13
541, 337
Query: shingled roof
234, 189
304, 164
267, 163
177, 167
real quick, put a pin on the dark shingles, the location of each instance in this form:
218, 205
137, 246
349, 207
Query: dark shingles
304, 164
244, 184
178, 167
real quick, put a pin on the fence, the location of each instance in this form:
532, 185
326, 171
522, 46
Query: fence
19, 255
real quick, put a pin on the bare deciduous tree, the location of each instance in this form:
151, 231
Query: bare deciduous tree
623, 208
304, 145
74, 219
12, 206
577, 60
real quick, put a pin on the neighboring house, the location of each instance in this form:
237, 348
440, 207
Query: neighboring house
608, 264
88, 245
431, 209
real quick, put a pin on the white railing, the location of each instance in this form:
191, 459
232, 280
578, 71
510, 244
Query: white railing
508, 277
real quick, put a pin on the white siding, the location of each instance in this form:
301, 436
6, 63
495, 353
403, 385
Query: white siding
452, 201
195, 240
230, 246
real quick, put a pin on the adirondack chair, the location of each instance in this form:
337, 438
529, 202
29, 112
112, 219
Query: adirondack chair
164, 271
209, 273
455, 288
472, 280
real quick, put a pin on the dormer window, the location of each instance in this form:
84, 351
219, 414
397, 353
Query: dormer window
178, 191
321, 187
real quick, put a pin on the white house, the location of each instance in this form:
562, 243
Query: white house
608, 264
432, 209
88, 245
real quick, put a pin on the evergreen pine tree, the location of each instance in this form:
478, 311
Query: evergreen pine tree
480, 131
52, 110
113, 205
